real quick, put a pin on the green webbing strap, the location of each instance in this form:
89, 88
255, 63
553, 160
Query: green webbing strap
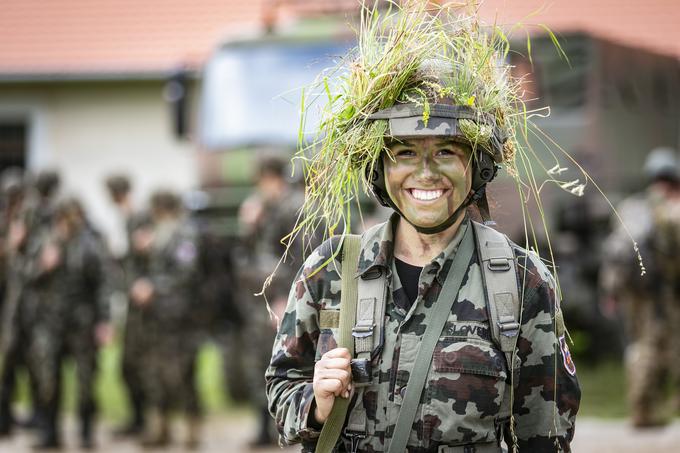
348, 308
499, 275
435, 324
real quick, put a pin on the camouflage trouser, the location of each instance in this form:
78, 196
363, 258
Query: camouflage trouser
171, 363
648, 359
257, 339
50, 347
134, 366
18, 325
16, 354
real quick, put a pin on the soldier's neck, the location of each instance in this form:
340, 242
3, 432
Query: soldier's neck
420, 249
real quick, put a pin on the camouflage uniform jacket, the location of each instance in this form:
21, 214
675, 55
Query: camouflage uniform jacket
172, 271
468, 376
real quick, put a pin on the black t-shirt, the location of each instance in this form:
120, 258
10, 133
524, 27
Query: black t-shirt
409, 276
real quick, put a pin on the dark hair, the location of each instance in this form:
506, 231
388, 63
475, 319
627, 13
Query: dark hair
166, 201
118, 185
47, 182
272, 166
71, 210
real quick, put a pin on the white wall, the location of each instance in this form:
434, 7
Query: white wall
87, 131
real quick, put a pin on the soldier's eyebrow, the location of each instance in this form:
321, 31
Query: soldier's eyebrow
400, 143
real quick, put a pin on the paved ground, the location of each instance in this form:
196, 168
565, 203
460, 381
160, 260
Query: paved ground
230, 435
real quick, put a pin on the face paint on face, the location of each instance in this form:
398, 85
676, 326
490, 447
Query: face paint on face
428, 179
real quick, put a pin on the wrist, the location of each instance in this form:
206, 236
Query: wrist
314, 419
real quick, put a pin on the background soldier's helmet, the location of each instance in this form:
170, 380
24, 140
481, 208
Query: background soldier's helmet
12, 183
662, 165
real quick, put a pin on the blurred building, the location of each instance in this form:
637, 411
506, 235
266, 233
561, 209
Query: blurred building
179, 93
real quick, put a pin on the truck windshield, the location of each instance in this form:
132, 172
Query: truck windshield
252, 92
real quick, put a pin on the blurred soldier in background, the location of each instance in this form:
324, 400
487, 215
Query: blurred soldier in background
265, 218
30, 220
650, 304
167, 293
134, 263
11, 246
73, 317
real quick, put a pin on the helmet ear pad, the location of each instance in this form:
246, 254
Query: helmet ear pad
376, 178
484, 167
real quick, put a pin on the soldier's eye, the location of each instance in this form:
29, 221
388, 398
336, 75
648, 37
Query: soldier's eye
446, 152
404, 153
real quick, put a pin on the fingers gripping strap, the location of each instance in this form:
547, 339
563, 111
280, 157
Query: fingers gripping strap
348, 306
502, 293
435, 324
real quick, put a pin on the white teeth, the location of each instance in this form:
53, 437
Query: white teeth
426, 195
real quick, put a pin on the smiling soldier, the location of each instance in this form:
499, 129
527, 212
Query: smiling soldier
456, 340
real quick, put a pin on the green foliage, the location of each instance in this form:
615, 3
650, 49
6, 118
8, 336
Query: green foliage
603, 389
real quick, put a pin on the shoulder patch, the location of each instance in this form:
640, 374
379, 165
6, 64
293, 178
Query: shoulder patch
566, 357
185, 252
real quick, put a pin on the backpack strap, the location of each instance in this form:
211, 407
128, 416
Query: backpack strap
330, 433
368, 338
499, 274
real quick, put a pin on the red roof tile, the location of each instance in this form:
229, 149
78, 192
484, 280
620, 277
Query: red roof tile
113, 36
651, 24
137, 36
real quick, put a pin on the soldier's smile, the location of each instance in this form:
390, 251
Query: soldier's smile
428, 178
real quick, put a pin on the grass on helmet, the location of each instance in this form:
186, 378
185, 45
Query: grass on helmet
383, 71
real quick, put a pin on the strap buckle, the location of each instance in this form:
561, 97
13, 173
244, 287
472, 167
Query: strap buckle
362, 330
354, 438
508, 326
499, 264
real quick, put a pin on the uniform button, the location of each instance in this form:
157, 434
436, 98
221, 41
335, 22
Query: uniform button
402, 392
450, 357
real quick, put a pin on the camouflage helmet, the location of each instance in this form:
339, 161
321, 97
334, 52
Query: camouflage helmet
662, 164
439, 116
12, 182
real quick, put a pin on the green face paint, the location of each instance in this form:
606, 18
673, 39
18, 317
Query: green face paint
428, 179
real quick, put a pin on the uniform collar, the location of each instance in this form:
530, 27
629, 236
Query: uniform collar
377, 247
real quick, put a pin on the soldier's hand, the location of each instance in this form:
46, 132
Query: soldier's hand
17, 235
332, 378
142, 239
50, 257
103, 333
141, 292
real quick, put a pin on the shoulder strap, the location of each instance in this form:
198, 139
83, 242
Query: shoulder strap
499, 274
348, 307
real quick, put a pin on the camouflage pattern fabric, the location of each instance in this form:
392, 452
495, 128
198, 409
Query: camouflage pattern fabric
258, 331
650, 304
172, 341
73, 298
468, 377
135, 345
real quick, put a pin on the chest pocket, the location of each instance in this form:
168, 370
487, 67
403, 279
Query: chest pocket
329, 324
466, 386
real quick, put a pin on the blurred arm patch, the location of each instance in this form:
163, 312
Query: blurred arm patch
329, 319
185, 253
566, 357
